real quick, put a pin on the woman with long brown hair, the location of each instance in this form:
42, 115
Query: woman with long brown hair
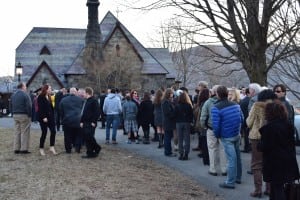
183, 118
168, 110
158, 116
278, 146
46, 118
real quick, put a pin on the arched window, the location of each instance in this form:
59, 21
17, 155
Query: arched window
118, 50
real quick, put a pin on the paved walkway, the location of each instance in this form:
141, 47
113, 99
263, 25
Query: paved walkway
193, 167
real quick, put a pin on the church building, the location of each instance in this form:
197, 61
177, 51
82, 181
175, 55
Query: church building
105, 55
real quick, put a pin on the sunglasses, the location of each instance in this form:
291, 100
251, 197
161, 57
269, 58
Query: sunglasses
278, 91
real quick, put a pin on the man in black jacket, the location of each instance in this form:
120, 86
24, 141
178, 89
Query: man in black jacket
90, 114
244, 129
70, 109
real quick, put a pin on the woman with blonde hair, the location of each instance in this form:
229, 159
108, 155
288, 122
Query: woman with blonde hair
255, 121
234, 95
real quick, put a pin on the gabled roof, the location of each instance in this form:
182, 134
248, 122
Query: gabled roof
63, 43
66, 46
164, 57
150, 65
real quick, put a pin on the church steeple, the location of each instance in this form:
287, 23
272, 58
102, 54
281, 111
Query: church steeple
93, 34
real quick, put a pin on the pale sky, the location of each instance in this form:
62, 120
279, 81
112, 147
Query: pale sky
17, 18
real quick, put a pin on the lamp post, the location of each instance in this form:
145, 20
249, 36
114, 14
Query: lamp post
19, 71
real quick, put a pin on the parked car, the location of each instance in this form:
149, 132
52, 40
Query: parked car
297, 125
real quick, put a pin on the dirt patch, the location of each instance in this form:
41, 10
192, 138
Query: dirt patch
115, 174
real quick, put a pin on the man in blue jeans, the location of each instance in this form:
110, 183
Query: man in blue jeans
227, 119
112, 108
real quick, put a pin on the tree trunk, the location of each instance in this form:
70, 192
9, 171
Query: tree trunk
256, 68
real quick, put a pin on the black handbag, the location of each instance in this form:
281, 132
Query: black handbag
292, 190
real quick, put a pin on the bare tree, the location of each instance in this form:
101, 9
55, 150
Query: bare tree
246, 28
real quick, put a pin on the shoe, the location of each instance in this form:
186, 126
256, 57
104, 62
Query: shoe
107, 142
213, 173
171, 155
224, 174
196, 149
16, 151
42, 152
180, 157
97, 150
146, 141
53, 150
267, 193
89, 156
176, 147
200, 155
224, 185
249, 172
245, 151
238, 182
256, 194
25, 152
185, 157
77, 150
114, 142
137, 141
68, 151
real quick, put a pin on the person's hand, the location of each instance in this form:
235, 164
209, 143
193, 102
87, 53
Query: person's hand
45, 120
93, 124
81, 125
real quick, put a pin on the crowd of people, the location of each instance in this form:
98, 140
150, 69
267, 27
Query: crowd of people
219, 116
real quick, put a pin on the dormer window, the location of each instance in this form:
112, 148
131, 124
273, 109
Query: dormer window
45, 51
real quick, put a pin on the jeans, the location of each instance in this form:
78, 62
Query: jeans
167, 141
183, 132
234, 165
114, 121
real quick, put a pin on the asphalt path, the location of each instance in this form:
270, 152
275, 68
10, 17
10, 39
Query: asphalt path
193, 168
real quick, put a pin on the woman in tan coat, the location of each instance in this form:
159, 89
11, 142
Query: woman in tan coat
255, 121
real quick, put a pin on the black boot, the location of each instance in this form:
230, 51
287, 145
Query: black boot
146, 137
180, 157
155, 138
160, 141
185, 156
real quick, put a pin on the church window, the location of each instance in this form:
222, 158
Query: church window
118, 50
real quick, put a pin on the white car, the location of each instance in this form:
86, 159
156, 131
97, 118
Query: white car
297, 125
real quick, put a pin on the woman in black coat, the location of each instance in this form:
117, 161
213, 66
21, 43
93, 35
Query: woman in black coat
278, 147
146, 116
169, 125
46, 118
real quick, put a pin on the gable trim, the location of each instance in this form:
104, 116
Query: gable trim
118, 26
44, 64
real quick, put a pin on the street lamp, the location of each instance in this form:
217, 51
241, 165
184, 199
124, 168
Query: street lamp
19, 71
